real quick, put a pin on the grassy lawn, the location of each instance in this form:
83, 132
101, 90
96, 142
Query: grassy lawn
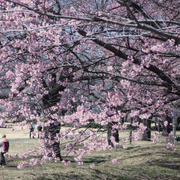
141, 161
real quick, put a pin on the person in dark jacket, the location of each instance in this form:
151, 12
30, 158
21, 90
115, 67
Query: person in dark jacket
39, 129
4, 144
31, 130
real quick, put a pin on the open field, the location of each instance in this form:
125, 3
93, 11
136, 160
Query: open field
142, 161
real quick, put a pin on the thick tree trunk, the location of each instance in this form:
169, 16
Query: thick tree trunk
112, 133
51, 144
167, 129
131, 130
147, 132
49, 100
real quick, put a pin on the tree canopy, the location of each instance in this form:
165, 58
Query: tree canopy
68, 62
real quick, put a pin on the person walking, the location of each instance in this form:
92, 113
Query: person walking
31, 130
39, 129
4, 144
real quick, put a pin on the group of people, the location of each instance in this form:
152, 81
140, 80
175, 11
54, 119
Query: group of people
32, 128
4, 144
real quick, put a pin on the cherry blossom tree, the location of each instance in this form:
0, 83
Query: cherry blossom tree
68, 62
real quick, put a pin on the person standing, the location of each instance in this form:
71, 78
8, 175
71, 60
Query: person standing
31, 131
39, 129
4, 144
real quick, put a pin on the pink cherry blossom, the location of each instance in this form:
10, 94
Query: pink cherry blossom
114, 161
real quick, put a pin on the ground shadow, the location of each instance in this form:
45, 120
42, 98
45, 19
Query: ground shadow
175, 164
89, 160
95, 175
61, 177
11, 166
95, 160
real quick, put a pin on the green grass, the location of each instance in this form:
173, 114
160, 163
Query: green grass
141, 161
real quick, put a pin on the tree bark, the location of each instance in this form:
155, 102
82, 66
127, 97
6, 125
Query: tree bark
50, 135
131, 130
167, 129
112, 133
147, 132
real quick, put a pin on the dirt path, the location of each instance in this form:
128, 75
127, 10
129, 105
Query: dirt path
21, 139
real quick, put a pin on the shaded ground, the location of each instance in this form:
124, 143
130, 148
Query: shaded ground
140, 162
